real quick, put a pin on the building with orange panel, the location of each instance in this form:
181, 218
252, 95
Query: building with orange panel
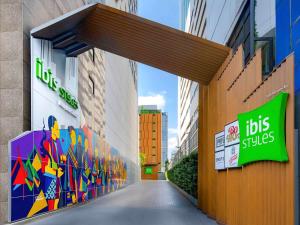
150, 141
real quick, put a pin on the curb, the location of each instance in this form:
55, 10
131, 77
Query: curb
193, 200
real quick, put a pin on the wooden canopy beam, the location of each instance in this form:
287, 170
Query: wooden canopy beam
141, 40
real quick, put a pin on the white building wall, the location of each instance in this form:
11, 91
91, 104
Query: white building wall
222, 16
164, 146
214, 20
121, 104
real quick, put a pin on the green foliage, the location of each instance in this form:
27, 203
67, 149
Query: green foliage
185, 173
142, 157
167, 163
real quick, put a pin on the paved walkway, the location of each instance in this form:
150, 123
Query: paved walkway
145, 203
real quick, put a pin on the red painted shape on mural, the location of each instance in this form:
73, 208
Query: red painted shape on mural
21, 173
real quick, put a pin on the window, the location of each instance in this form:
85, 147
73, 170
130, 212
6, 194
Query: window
92, 55
91, 86
241, 34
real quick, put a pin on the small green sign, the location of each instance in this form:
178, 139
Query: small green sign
262, 132
148, 170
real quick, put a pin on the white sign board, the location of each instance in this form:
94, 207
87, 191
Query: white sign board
220, 160
232, 133
219, 141
54, 86
219, 151
232, 155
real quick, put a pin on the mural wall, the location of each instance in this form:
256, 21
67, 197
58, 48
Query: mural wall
53, 168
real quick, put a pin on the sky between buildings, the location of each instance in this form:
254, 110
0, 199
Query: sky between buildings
156, 86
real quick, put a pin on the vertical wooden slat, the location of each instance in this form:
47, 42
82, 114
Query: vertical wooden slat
260, 193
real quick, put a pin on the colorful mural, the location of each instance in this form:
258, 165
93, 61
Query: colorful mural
54, 168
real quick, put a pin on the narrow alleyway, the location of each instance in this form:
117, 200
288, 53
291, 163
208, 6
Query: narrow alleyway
145, 203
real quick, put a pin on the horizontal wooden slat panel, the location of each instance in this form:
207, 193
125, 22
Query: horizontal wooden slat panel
141, 40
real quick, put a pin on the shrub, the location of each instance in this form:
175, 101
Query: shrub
185, 173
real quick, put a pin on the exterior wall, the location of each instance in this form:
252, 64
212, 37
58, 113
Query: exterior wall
194, 23
121, 101
215, 21
164, 152
79, 167
187, 114
287, 34
17, 18
261, 192
91, 89
121, 114
221, 19
151, 142
12, 88
287, 41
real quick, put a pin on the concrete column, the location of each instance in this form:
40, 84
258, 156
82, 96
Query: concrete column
17, 18
11, 88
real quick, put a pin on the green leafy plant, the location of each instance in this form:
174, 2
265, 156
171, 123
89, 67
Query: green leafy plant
185, 174
167, 163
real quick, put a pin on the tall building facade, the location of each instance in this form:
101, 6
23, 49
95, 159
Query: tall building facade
150, 126
104, 80
250, 23
164, 152
192, 20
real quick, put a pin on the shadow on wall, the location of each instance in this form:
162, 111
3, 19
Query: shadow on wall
61, 167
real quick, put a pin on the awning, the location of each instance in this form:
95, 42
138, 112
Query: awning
135, 38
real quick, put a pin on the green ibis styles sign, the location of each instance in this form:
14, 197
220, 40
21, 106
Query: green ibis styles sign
262, 132
148, 170
47, 77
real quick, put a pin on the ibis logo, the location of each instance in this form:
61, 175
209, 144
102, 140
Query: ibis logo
47, 77
262, 132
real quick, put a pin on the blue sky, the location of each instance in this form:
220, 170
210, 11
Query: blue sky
156, 86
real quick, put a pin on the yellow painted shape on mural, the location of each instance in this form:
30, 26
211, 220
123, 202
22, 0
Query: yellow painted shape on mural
39, 204
63, 158
76, 190
50, 170
56, 203
74, 199
80, 185
37, 165
60, 172
37, 182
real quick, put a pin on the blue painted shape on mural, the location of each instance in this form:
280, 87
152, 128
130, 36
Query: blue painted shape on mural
16, 187
20, 207
65, 140
19, 146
